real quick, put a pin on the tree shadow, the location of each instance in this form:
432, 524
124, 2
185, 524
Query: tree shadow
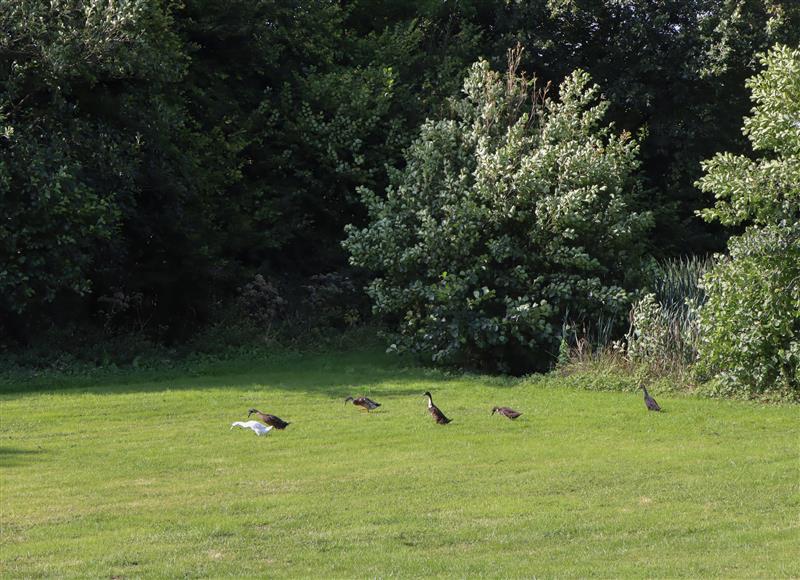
333, 375
13, 456
366, 371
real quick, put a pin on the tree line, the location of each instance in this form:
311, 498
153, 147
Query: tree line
158, 156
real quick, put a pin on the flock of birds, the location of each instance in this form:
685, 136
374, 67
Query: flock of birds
267, 422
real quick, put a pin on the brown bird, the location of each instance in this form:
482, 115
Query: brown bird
506, 412
649, 401
363, 402
434, 410
268, 419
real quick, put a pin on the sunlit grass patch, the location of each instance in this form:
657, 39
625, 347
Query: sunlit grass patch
145, 478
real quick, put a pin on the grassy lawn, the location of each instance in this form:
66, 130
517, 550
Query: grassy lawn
144, 478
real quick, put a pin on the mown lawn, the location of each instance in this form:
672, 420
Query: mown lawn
144, 478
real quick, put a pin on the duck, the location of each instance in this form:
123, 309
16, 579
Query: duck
363, 402
649, 401
506, 412
257, 427
437, 415
270, 420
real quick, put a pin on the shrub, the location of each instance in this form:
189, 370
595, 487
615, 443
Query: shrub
509, 212
260, 301
751, 322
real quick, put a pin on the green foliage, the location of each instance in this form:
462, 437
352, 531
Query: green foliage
665, 334
171, 151
674, 66
751, 322
510, 212
71, 72
174, 150
260, 301
766, 190
53, 219
334, 300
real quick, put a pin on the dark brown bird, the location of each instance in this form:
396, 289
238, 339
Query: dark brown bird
649, 401
268, 419
363, 402
434, 410
506, 412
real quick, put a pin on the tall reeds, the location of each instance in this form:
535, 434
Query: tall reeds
664, 333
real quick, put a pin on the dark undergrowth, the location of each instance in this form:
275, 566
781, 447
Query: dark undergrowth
84, 363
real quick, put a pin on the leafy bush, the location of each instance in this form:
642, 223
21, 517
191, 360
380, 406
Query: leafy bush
174, 149
260, 301
509, 212
751, 322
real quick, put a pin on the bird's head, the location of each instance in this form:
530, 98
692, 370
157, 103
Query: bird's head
251, 411
494, 410
426, 394
347, 400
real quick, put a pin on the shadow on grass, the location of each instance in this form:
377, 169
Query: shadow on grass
13, 456
336, 375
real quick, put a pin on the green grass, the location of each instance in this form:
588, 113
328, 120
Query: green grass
144, 478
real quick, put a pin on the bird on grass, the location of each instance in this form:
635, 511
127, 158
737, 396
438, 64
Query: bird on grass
506, 412
363, 402
270, 420
437, 415
257, 427
649, 401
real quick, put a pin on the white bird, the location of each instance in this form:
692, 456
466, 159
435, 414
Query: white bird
258, 428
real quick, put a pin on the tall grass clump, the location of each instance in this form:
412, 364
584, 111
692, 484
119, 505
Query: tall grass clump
663, 336
664, 333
